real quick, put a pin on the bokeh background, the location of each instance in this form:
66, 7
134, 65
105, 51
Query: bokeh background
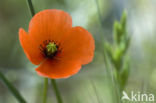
91, 84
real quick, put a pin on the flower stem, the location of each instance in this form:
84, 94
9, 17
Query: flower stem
45, 90
31, 7
12, 88
57, 93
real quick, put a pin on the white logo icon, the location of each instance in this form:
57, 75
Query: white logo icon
125, 96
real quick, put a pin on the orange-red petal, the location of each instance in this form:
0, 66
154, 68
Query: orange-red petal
49, 24
58, 68
78, 44
30, 47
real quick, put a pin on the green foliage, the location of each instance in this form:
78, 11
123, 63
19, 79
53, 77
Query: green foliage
117, 51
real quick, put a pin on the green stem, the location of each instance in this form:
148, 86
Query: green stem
98, 10
45, 90
31, 7
57, 93
12, 88
101, 36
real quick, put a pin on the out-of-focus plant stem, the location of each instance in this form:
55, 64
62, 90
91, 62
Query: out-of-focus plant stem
95, 90
98, 10
12, 88
31, 7
102, 38
45, 90
57, 93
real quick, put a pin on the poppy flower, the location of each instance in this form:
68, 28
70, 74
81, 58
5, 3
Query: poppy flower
52, 43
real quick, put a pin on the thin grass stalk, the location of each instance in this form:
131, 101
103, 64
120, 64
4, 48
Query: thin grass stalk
30, 5
12, 89
56, 90
45, 90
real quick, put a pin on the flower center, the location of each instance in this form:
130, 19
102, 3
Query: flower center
51, 49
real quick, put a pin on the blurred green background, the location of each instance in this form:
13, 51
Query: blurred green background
91, 84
